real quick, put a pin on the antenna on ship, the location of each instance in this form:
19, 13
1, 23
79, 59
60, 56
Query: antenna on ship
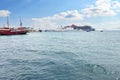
7, 22
20, 22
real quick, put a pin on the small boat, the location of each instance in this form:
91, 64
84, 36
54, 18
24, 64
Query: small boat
13, 31
101, 31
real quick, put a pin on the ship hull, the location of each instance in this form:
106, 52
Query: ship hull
13, 33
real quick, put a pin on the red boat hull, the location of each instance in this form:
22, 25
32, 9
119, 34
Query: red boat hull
12, 31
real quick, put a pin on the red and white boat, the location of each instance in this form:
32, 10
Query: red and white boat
13, 31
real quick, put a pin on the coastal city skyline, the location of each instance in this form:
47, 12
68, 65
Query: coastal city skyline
51, 14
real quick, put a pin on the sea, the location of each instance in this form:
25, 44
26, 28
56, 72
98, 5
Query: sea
61, 56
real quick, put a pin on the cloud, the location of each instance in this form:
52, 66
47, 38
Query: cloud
110, 25
58, 19
99, 8
102, 8
44, 23
116, 5
4, 13
69, 15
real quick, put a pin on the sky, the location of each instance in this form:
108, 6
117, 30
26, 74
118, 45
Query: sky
51, 14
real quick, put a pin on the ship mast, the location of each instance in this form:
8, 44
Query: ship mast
20, 22
7, 22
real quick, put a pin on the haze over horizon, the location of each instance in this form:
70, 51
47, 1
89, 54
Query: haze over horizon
50, 14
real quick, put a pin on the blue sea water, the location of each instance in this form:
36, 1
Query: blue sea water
61, 56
